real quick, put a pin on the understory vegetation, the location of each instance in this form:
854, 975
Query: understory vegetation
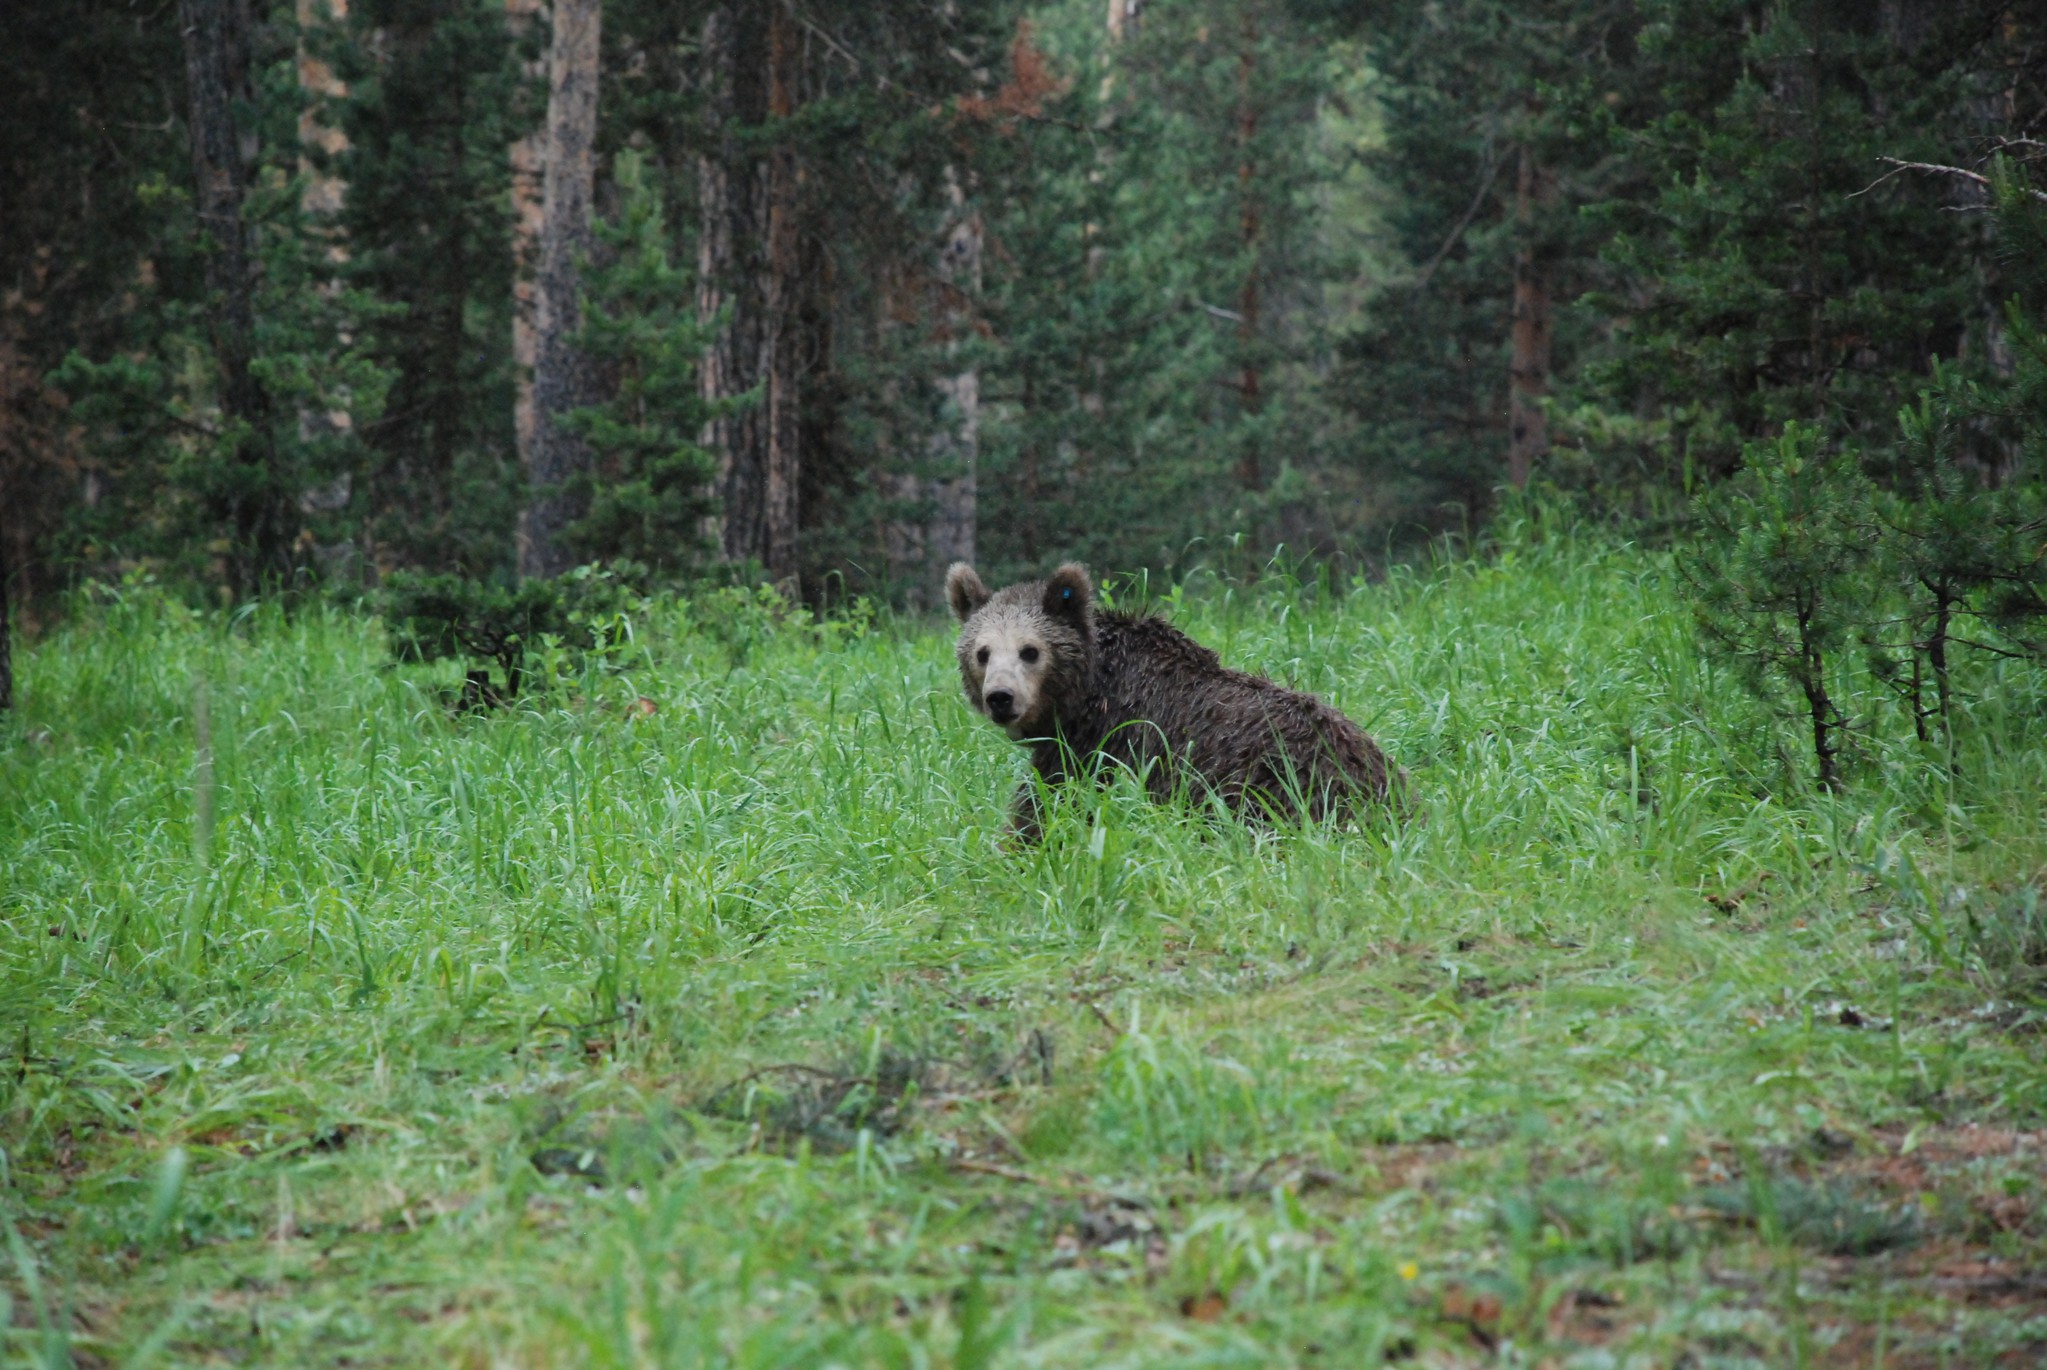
689, 1009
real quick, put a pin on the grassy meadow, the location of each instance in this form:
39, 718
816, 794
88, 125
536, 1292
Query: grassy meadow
692, 1011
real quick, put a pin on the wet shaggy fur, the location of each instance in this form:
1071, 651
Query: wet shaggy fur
1074, 682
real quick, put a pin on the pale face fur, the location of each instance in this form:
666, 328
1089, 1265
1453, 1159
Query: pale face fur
1012, 647
1003, 661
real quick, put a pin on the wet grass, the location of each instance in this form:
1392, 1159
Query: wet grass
342, 1028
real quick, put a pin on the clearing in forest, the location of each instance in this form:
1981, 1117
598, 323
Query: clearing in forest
343, 1028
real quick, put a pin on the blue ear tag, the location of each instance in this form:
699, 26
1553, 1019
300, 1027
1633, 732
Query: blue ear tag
1067, 593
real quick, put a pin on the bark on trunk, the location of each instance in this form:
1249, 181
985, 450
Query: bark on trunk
1529, 371
1945, 601
322, 199
561, 375
527, 217
216, 36
956, 491
1812, 680
732, 192
949, 488
1251, 396
780, 480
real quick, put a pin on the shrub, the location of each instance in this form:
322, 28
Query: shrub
1781, 572
436, 617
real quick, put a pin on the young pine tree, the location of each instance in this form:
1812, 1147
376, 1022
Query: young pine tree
436, 97
649, 496
1779, 577
1964, 497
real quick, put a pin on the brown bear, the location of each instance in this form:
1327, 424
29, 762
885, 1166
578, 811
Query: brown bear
1072, 682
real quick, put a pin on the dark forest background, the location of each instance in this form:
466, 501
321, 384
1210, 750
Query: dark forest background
830, 293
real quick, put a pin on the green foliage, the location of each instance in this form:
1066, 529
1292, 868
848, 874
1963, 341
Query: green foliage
1469, 89
1803, 561
1967, 478
1763, 278
1246, 276
1780, 576
1154, 299
649, 494
440, 617
437, 94
1958, 542
176, 465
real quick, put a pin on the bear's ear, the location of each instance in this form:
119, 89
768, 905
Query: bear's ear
1069, 592
964, 590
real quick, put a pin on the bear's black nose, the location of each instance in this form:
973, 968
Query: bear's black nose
1001, 705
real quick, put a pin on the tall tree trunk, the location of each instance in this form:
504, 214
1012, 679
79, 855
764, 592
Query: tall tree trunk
732, 195
216, 37
947, 492
830, 466
528, 214
781, 479
956, 489
1529, 371
1250, 226
561, 375
322, 200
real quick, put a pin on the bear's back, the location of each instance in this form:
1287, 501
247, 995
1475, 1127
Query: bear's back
1161, 701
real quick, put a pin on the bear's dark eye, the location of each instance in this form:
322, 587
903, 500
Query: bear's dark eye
1029, 654
982, 656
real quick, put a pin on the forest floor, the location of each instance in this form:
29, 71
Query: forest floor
691, 1011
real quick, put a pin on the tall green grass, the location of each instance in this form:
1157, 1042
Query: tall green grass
733, 1033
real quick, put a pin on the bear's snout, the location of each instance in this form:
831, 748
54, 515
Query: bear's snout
1001, 705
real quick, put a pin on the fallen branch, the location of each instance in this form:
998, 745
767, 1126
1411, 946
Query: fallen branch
788, 1068
1103, 1018
1004, 1172
1938, 169
1085, 1192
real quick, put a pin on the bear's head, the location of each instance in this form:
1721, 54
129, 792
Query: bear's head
1027, 650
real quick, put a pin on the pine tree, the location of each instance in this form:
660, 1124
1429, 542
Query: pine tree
1496, 119
94, 168
216, 460
1964, 491
821, 238
1765, 279
649, 490
1779, 577
435, 92
750, 268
